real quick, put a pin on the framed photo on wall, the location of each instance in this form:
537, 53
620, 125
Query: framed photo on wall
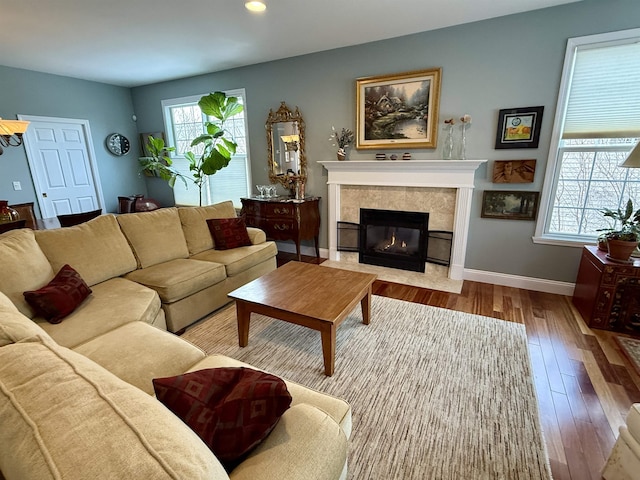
513, 171
511, 205
398, 111
519, 127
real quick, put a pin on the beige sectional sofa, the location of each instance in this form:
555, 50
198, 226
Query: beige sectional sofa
76, 398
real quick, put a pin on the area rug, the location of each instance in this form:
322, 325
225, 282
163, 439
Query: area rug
435, 394
631, 348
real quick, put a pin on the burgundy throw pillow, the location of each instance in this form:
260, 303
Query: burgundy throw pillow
231, 409
228, 232
60, 296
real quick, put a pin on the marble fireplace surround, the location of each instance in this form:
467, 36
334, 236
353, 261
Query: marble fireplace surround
436, 182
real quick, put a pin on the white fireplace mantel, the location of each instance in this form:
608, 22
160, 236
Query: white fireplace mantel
458, 174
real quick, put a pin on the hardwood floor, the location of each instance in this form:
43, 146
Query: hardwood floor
585, 385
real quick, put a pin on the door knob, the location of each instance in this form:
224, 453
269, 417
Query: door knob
44, 194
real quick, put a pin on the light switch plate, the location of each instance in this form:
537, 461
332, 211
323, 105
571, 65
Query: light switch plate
17, 186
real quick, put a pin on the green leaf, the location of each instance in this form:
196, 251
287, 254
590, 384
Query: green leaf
214, 162
213, 104
231, 145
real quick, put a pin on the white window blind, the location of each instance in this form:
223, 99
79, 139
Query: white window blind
604, 101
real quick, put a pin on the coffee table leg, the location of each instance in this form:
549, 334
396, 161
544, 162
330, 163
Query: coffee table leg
366, 307
243, 314
329, 349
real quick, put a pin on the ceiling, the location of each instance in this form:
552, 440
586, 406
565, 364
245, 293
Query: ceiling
137, 42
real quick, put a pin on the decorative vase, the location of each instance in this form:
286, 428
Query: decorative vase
447, 149
142, 204
342, 154
7, 214
463, 142
406, 156
620, 250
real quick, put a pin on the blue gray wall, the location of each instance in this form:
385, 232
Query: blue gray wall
508, 62
108, 109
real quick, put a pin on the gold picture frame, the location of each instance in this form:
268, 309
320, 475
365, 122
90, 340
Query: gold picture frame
399, 110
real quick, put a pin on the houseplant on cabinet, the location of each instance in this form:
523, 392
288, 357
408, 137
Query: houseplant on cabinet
621, 242
218, 143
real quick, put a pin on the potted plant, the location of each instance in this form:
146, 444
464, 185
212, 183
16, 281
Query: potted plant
158, 164
218, 144
622, 241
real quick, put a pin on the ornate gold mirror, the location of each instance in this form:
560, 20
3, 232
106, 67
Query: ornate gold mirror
285, 142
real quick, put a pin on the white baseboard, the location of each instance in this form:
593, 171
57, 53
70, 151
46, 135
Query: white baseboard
517, 281
503, 279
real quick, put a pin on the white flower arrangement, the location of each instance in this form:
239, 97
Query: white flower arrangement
343, 139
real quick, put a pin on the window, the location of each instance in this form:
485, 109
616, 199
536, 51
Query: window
184, 121
597, 123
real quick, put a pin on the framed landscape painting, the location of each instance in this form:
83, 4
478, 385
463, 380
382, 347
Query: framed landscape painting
512, 205
519, 127
398, 111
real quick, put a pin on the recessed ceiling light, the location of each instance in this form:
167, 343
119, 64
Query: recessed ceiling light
255, 6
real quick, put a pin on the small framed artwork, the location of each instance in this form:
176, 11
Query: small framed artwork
519, 127
512, 205
398, 111
514, 171
144, 139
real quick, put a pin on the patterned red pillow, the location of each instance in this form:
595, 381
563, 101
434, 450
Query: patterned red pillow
60, 296
228, 232
231, 409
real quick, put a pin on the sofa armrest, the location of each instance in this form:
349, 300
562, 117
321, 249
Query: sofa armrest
256, 235
306, 444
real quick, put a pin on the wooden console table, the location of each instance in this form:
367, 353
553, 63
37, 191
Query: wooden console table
284, 218
607, 293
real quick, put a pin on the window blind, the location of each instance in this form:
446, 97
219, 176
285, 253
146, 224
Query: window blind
605, 93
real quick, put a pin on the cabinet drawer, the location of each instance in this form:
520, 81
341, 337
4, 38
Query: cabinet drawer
281, 229
279, 210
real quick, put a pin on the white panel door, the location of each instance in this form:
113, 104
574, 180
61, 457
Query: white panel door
60, 158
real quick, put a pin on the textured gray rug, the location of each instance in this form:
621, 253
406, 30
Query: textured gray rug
435, 394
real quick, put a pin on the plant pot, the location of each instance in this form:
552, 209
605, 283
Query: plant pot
620, 250
7, 214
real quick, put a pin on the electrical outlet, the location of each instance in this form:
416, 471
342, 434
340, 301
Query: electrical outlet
17, 186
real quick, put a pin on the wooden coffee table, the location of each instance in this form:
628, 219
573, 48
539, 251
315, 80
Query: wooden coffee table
309, 295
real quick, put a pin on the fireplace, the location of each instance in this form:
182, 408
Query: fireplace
396, 239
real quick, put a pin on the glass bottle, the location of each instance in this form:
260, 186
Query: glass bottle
447, 149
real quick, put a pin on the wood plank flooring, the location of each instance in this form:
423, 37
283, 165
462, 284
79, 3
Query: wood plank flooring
585, 385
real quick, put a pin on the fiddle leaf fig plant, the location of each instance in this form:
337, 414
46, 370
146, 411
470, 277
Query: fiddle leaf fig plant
158, 163
217, 143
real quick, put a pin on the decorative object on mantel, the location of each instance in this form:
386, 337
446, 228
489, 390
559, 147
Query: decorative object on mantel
406, 156
399, 110
7, 214
381, 156
393, 157
343, 140
447, 148
466, 122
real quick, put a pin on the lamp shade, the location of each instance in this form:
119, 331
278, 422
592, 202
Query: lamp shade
11, 127
633, 159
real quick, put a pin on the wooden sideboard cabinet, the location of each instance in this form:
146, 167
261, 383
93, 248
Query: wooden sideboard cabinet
285, 219
607, 293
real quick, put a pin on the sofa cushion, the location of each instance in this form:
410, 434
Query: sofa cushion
256, 235
24, 267
194, 224
231, 409
228, 233
163, 355
306, 443
113, 303
155, 237
337, 408
96, 249
240, 259
177, 279
60, 296
14, 326
64, 416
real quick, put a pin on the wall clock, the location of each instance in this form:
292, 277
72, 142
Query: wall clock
118, 144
